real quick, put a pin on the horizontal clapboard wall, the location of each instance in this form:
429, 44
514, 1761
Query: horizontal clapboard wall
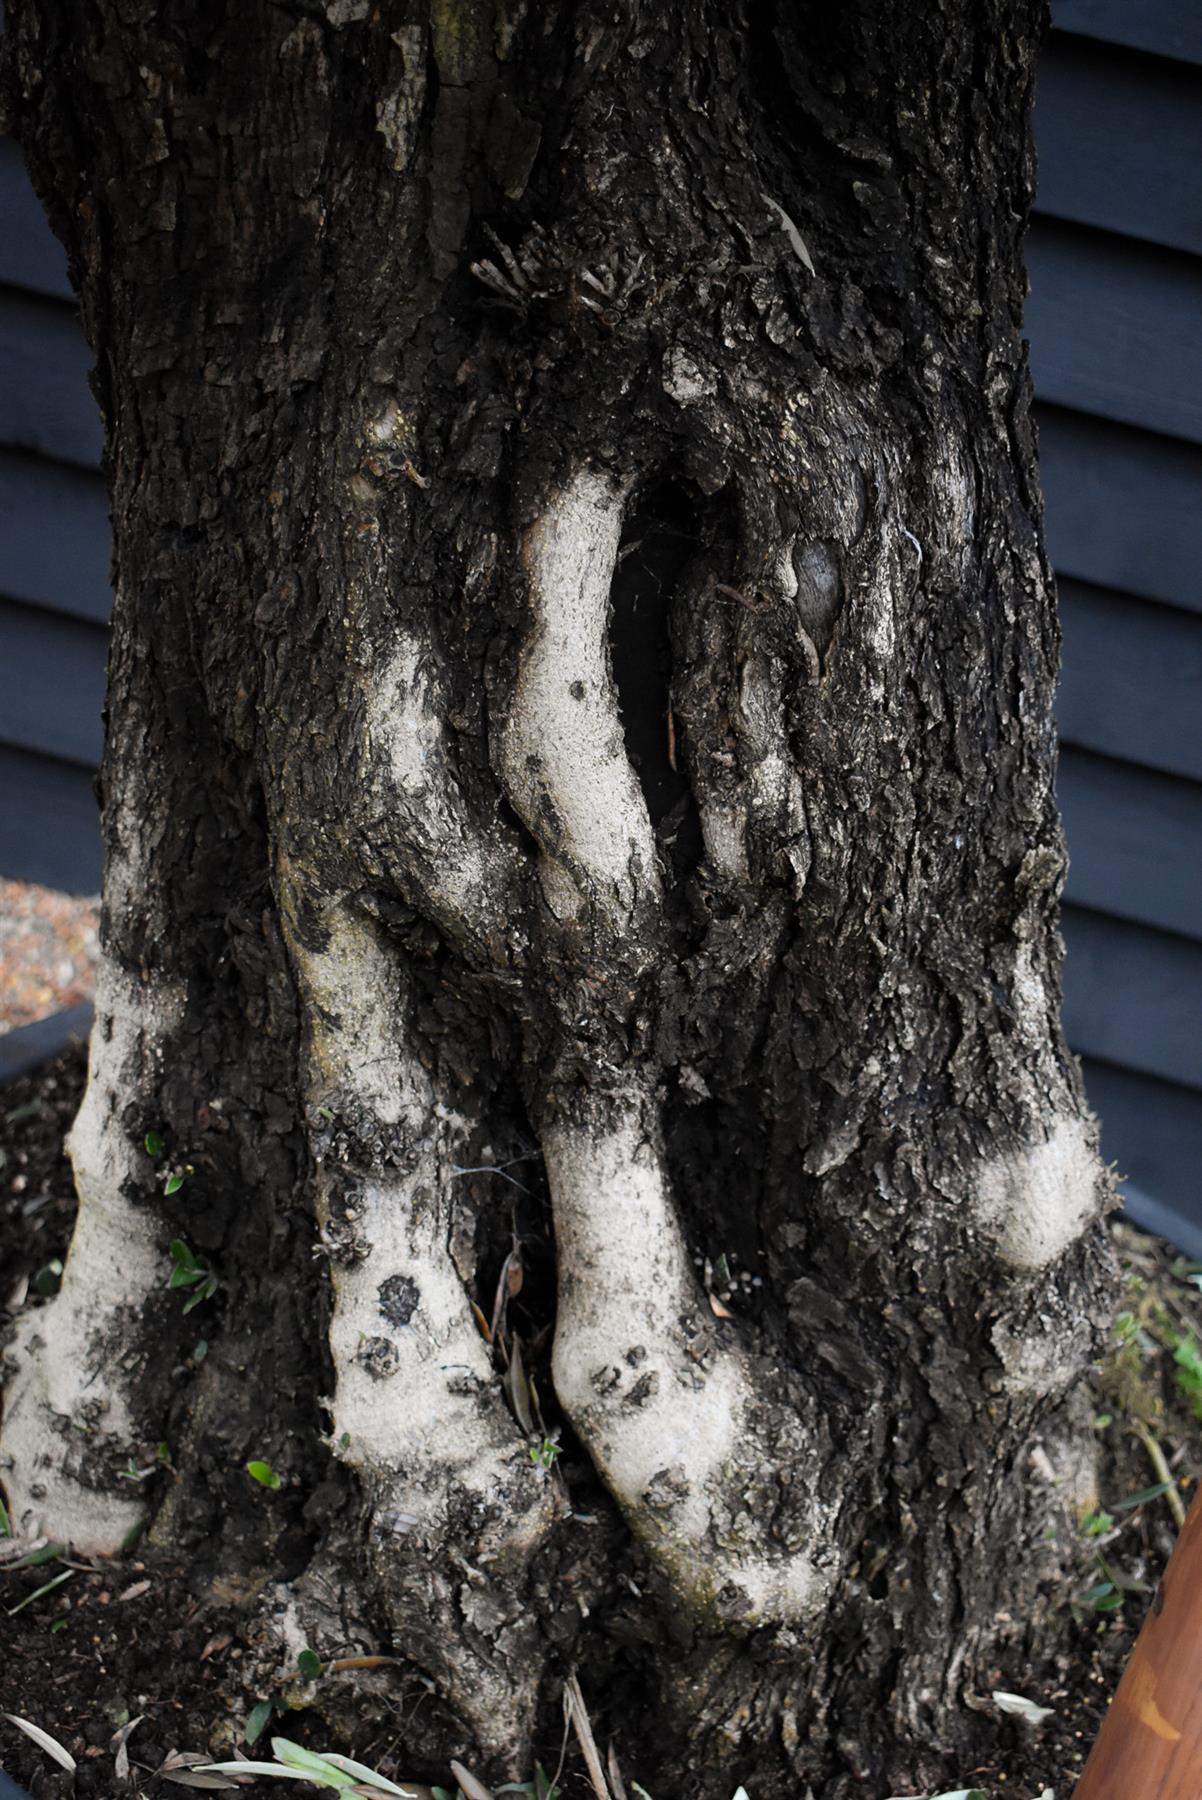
1115, 322
54, 557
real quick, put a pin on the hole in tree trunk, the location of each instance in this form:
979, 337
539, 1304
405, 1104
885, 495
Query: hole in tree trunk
659, 544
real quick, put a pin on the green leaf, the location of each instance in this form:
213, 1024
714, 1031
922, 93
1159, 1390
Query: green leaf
1143, 1496
309, 1664
295, 1756
6, 1529
205, 1291
181, 1256
264, 1474
201, 1351
1097, 1524
33, 1558
47, 1587
369, 1777
174, 1184
256, 1722
1097, 1592
154, 1143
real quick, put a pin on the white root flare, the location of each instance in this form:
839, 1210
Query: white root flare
70, 1408
464, 877
1034, 1203
667, 1414
417, 1408
670, 1418
1037, 1200
563, 755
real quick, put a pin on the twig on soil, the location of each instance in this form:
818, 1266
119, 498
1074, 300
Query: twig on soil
1157, 1459
577, 1712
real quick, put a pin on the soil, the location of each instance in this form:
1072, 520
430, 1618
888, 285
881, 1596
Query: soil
136, 1639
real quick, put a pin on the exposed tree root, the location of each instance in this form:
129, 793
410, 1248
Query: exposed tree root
710, 1473
75, 1403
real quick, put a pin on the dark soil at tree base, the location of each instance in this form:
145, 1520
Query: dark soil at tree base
174, 1647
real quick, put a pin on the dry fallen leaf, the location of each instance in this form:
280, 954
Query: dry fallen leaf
474, 1789
215, 1645
181, 1766
1020, 1708
118, 1750
136, 1591
43, 1740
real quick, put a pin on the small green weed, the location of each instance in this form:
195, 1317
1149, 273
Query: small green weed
191, 1271
264, 1474
1187, 1372
294, 1763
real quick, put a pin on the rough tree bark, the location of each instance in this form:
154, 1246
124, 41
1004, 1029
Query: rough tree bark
579, 816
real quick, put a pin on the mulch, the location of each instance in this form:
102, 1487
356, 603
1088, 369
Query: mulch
134, 1640
48, 948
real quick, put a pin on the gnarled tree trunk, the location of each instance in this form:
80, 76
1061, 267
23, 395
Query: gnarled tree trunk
581, 858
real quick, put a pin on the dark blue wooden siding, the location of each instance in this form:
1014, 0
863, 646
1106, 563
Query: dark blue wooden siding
1115, 321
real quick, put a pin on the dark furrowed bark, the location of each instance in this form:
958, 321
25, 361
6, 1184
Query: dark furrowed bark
404, 325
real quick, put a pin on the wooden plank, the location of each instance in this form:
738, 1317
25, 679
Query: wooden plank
49, 823
1131, 684
1124, 508
1114, 328
51, 683
1120, 142
30, 254
54, 536
1135, 842
1133, 996
1166, 27
45, 402
1152, 1131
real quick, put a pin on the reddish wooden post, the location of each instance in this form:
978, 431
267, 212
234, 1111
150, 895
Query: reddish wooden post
1150, 1744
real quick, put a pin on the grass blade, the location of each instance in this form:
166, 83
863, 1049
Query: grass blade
47, 1587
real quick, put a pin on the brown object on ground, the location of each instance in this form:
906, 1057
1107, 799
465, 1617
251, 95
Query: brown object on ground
48, 948
1150, 1744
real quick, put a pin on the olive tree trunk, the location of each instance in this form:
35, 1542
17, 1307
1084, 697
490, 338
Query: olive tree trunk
582, 862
